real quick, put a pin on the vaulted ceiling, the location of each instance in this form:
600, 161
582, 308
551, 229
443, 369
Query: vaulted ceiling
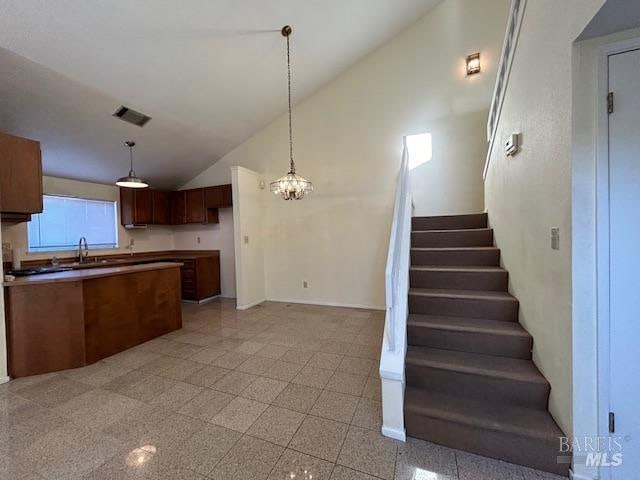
210, 73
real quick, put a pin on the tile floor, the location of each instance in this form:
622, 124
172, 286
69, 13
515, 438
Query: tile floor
276, 392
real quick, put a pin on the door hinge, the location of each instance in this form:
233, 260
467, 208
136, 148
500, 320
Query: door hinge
612, 422
610, 103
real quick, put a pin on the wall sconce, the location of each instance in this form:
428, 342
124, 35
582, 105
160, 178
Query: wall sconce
473, 64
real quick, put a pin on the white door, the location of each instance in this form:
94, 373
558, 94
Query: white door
624, 235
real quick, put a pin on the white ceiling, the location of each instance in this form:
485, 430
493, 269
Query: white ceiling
210, 73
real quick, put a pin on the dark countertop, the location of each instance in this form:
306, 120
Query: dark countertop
87, 273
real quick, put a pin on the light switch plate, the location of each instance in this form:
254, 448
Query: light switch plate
555, 238
512, 144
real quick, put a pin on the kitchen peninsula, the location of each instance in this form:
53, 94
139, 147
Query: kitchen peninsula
74, 318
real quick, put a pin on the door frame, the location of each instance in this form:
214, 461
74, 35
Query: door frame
602, 236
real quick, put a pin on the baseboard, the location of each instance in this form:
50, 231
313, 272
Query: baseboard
249, 305
4, 380
394, 433
577, 476
204, 300
327, 304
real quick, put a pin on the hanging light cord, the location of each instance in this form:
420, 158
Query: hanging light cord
293, 165
131, 157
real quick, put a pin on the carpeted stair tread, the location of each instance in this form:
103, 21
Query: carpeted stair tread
526, 422
473, 220
464, 294
475, 364
466, 324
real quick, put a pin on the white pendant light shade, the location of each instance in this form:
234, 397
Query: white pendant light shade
131, 180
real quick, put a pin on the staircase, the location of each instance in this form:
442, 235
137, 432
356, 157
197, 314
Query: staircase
470, 380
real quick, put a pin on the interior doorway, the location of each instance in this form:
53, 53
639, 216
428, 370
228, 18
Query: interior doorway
618, 238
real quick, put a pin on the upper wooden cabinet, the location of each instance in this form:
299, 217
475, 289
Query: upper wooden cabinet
136, 206
178, 208
153, 207
218, 196
20, 177
161, 207
196, 211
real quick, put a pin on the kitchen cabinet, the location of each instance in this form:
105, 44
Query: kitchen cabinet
200, 277
154, 207
218, 196
178, 208
20, 178
136, 206
195, 208
161, 207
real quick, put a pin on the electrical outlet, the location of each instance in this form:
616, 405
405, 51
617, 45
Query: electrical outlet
132, 242
198, 240
555, 238
305, 284
246, 239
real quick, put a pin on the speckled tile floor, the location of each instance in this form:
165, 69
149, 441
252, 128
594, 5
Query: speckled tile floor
275, 392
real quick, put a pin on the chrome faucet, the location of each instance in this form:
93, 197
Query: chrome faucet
81, 255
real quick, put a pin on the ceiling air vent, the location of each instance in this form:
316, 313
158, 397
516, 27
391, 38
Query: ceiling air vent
131, 116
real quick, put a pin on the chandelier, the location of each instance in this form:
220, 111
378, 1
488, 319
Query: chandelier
291, 186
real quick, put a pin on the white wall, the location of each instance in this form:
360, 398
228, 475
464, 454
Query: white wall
586, 56
249, 214
213, 237
451, 182
528, 194
348, 141
154, 238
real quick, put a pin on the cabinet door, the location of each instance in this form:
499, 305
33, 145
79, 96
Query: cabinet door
20, 175
144, 206
227, 197
218, 196
178, 208
161, 208
195, 206
127, 206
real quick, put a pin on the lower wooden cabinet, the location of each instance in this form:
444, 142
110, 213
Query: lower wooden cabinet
200, 278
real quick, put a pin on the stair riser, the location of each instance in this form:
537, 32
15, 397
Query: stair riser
506, 310
480, 387
459, 258
450, 222
496, 281
462, 238
535, 453
475, 342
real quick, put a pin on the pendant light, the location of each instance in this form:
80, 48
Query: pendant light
292, 186
131, 181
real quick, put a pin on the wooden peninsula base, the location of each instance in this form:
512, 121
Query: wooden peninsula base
71, 319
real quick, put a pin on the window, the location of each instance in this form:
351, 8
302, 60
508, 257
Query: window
65, 219
420, 150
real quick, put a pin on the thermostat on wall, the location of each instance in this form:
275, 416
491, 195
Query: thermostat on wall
512, 144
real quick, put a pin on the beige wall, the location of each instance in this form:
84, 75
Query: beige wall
249, 237
348, 141
451, 182
528, 194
